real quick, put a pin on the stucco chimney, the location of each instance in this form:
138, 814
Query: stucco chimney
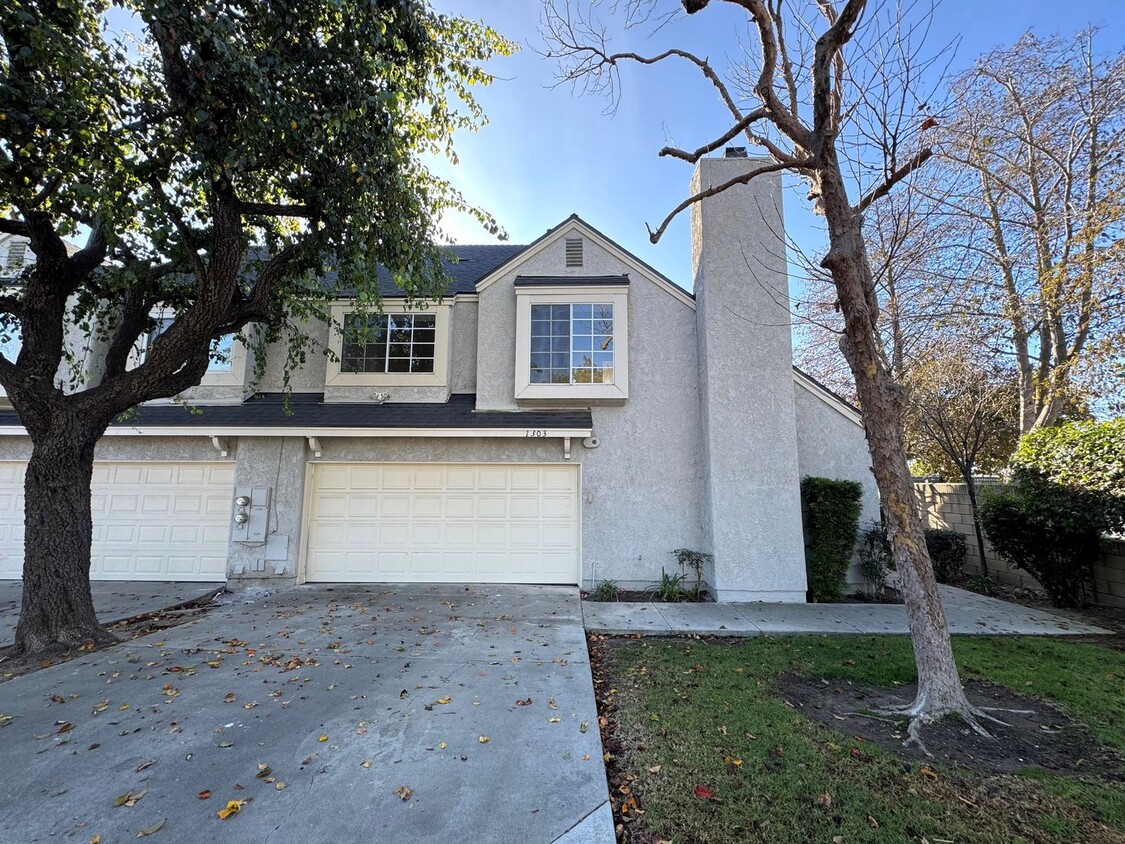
752, 503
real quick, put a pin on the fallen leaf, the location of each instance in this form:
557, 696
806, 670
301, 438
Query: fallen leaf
97, 839
323, 738
366, 763
525, 702
824, 800
5, 720
444, 700
405, 792
927, 771
232, 808
871, 822
64, 727
147, 764
441, 745
584, 726
225, 743
837, 839
264, 771
553, 720
230, 697
551, 704
205, 794
655, 769
129, 798
704, 793
151, 830
483, 739
732, 760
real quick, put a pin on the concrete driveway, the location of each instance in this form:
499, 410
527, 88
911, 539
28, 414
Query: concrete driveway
113, 600
316, 705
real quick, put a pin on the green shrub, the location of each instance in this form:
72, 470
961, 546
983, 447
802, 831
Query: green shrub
1050, 531
947, 553
831, 509
669, 589
1087, 455
695, 561
605, 590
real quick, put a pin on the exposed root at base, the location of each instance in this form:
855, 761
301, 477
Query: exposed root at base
919, 716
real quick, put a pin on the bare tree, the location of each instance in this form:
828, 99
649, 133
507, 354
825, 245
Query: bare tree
1032, 167
961, 413
850, 124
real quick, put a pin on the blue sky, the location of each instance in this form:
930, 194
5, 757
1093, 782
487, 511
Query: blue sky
548, 152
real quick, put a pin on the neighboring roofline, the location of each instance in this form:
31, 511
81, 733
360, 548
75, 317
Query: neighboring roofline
831, 398
569, 224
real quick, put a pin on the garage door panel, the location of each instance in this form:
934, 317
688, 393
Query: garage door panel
443, 522
152, 521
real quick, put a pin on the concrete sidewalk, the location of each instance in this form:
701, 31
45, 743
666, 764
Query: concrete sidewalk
114, 600
967, 613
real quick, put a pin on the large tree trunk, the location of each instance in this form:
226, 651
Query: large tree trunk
939, 685
58, 610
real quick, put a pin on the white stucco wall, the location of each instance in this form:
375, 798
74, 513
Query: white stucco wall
752, 511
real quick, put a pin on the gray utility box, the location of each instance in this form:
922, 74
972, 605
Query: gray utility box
251, 514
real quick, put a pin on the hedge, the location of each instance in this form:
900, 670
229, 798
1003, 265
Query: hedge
947, 553
831, 509
1087, 455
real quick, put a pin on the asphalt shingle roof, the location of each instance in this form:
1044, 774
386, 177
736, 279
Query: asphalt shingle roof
473, 262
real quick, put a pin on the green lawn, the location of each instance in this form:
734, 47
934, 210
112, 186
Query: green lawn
694, 713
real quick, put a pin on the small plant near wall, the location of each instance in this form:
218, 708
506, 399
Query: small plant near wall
876, 561
947, 552
605, 590
669, 589
831, 514
693, 561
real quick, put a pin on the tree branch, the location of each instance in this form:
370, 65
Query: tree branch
275, 210
17, 227
739, 127
897, 176
655, 236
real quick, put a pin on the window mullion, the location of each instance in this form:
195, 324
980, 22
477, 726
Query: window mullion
570, 343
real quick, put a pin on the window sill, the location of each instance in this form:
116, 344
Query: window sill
571, 392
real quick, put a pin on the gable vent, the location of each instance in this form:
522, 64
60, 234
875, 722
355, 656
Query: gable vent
574, 252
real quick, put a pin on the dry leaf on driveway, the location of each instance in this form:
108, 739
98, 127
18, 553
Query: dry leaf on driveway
405, 792
152, 830
232, 808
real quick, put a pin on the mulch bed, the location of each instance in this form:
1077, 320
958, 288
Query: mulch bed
1044, 739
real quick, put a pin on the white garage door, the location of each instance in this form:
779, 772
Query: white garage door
433, 523
152, 521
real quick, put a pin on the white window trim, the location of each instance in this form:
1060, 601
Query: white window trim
233, 377
614, 294
438, 378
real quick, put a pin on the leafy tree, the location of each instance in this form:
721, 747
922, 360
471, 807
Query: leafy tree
961, 420
830, 95
221, 157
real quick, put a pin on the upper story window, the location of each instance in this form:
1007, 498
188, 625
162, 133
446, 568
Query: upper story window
222, 350
572, 338
402, 347
572, 343
389, 343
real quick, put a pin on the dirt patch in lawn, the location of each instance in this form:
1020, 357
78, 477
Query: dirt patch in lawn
16, 665
1045, 739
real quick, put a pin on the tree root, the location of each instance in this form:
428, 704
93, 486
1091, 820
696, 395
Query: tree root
918, 716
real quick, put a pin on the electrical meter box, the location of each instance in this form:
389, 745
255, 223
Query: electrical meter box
251, 514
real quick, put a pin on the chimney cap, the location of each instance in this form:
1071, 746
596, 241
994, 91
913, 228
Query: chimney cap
735, 152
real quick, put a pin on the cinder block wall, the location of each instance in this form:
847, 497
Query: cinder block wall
947, 506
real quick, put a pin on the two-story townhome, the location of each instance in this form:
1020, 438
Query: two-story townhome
565, 414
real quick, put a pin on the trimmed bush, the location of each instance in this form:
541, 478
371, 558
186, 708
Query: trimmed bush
831, 509
1050, 531
876, 559
947, 553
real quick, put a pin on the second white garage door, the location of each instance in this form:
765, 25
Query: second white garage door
152, 521
433, 523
